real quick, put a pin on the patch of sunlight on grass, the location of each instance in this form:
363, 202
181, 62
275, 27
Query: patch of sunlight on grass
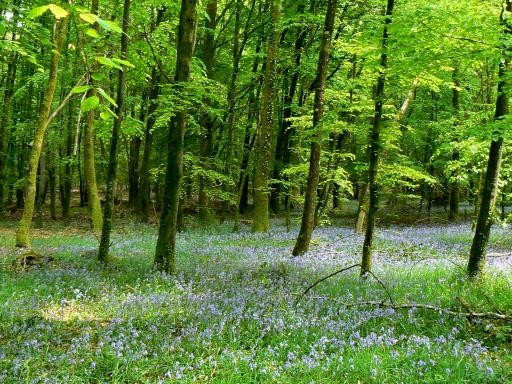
70, 312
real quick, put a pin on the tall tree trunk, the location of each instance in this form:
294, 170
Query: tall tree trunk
165, 252
93, 196
4, 121
22, 233
374, 149
67, 176
205, 214
283, 150
114, 143
263, 151
143, 198
454, 185
476, 264
308, 216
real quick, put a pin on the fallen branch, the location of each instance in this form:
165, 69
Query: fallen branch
338, 272
470, 314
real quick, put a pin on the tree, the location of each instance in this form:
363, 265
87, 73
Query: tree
59, 33
89, 162
476, 263
165, 252
308, 215
263, 150
375, 146
114, 142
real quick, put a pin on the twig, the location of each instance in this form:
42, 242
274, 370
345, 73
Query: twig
155, 57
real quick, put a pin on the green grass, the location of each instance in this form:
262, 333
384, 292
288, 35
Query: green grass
231, 314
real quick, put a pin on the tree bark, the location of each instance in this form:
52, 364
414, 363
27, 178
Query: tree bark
165, 252
94, 202
476, 263
374, 149
263, 151
22, 233
308, 216
114, 142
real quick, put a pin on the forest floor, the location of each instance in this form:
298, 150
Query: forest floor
234, 312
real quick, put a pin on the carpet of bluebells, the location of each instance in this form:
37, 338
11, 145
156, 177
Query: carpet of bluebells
234, 312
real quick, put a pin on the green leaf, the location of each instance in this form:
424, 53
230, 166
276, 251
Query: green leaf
98, 76
109, 25
124, 62
88, 17
92, 32
38, 11
90, 103
57, 11
81, 89
102, 92
105, 115
108, 62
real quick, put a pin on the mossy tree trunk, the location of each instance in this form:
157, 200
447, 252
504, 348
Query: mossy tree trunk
94, 202
23, 231
263, 150
114, 143
165, 252
374, 148
476, 263
308, 215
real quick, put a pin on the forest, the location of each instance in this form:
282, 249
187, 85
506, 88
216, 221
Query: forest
255, 191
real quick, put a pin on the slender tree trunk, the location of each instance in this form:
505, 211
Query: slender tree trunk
476, 264
283, 150
94, 202
263, 151
67, 176
143, 200
165, 252
252, 117
454, 185
205, 214
374, 149
4, 121
308, 216
114, 143
90, 170
22, 233
41, 190
133, 166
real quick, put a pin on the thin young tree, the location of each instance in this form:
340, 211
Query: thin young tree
94, 202
308, 215
374, 149
165, 252
476, 263
114, 142
22, 232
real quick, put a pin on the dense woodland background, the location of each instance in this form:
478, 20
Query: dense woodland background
218, 109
